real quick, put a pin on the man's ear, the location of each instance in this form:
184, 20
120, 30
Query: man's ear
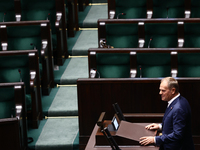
173, 90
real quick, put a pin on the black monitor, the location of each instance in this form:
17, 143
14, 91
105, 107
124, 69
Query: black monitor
118, 112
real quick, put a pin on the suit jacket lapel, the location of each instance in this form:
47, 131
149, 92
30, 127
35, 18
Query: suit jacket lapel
168, 109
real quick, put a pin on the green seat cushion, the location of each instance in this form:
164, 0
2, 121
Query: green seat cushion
164, 35
9, 69
122, 35
7, 8
113, 65
131, 12
153, 65
39, 10
189, 65
24, 38
7, 104
192, 35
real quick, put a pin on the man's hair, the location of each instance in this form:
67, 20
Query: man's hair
172, 83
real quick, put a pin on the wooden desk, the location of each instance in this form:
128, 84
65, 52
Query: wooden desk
91, 145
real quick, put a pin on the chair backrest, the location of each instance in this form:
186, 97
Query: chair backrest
7, 103
189, 65
153, 65
113, 65
164, 35
122, 35
10, 65
7, 10
133, 9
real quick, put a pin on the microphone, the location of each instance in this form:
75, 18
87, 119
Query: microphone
48, 16
151, 38
120, 14
34, 47
4, 16
167, 11
20, 75
140, 71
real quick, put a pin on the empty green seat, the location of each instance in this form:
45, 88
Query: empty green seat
133, 9
113, 65
17, 66
7, 10
192, 35
9, 72
7, 103
122, 35
164, 35
153, 65
13, 125
24, 38
189, 65
168, 9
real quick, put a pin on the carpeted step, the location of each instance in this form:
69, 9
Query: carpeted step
90, 16
62, 101
87, 39
77, 68
55, 134
72, 69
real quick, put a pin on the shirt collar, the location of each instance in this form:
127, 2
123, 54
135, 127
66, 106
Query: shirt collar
169, 102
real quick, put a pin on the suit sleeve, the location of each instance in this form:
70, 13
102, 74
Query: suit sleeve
179, 124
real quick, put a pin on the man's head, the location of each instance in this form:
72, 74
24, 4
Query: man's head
168, 88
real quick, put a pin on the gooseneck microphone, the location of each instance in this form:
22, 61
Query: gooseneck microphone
48, 16
4, 16
120, 14
34, 47
20, 75
167, 11
140, 67
151, 38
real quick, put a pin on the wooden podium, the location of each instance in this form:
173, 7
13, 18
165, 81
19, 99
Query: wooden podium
127, 137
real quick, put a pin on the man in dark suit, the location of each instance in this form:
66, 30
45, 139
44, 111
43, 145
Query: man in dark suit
176, 124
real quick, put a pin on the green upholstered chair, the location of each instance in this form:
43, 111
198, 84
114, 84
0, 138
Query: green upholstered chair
53, 10
16, 66
113, 65
133, 9
192, 35
195, 9
153, 65
7, 10
188, 65
13, 125
32, 35
168, 9
164, 35
122, 35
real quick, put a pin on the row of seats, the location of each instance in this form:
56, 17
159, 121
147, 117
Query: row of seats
33, 37
145, 33
147, 63
13, 124
119, 9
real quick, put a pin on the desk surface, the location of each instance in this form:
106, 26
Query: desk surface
91, 144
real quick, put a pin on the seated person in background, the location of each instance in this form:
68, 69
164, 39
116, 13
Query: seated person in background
176, 124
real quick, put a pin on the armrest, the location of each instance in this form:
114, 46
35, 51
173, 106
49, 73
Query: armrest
44, 49
17, 10
18, 109
32, 79
58, 21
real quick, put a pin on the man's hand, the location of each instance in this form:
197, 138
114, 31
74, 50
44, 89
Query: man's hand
147, 140
152, 126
